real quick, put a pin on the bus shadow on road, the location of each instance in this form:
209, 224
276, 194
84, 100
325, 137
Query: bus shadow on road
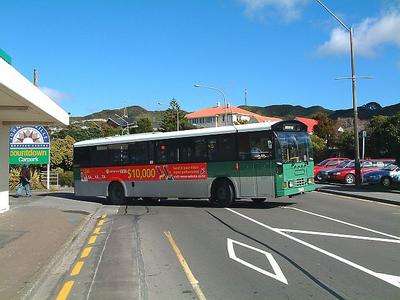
196, 203
204, 203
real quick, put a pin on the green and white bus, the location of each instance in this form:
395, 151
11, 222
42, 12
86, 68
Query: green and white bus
222, 164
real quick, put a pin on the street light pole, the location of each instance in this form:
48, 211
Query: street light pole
218, 90
353, 85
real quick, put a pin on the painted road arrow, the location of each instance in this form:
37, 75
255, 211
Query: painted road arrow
278, 274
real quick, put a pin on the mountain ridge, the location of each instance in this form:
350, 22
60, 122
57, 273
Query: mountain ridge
284, 111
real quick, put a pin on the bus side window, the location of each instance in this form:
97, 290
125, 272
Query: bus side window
212, 149
227, 147
186, 151
260, 146
244, 146
200, 149
82, 157
166, 151
138, 153
119, 154
99, 156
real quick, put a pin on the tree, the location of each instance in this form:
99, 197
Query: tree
383, 137
319, 147
144, 125
168, 122
61, 153
325, 129
345, 144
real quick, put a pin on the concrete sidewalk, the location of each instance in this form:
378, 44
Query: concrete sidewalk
33, 233
362, 192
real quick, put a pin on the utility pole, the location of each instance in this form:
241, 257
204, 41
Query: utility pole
245, 97
353, 81
36, 83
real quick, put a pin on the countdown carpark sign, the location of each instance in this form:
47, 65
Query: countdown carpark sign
29, 145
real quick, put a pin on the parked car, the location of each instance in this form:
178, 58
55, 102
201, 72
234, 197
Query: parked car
347, 174
386, 176
328, 163
323, 174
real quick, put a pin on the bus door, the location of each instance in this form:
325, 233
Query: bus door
248, 180
264, 178
256, 170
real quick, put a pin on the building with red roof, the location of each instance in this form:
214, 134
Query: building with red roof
309, 122
215, 116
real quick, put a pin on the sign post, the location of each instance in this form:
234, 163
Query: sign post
30, 145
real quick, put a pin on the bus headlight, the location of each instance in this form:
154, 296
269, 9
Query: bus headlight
291, 184
310, 180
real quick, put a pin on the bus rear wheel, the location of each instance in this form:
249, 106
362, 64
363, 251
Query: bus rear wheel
116, 193
222, 194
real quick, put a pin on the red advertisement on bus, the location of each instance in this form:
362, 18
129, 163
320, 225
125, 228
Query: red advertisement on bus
191, 171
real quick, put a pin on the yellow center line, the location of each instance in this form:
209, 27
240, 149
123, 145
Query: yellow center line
97, 230
86, 252
63, 294
104, 216
192, 280
100, 223
77, 269
92, 239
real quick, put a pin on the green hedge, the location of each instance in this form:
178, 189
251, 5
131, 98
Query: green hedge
66, 178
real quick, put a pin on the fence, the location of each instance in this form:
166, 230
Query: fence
53, 178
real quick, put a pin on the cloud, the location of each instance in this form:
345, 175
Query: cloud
288, 9
369, 36
53, 94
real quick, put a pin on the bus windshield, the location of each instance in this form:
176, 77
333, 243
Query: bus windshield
293, 146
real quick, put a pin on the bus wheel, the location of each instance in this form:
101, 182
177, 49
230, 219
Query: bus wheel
222, 194
116, 193
350, 178
258, 200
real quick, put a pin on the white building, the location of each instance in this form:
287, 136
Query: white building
215, 116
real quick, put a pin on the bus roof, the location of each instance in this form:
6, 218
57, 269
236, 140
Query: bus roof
139, 137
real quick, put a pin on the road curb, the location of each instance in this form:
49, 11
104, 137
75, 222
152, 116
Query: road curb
38, 278
359, 196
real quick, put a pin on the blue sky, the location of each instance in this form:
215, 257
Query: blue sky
94, 55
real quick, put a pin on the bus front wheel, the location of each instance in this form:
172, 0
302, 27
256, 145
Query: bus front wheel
116, 193
222, 194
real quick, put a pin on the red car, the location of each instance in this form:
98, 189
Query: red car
347, 175
329, 163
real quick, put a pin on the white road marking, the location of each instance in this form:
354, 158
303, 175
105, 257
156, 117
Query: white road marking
343, 222
391, 279
278, 272
357, 237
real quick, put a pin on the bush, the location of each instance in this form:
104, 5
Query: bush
14, 179
66, 178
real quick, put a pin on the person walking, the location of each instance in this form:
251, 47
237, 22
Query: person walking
24, 181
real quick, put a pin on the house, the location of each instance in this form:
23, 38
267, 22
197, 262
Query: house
309, 122
215, 116
121, 122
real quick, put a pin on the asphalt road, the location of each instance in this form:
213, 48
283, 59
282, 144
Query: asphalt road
316, 246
